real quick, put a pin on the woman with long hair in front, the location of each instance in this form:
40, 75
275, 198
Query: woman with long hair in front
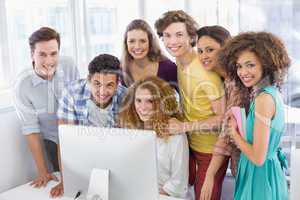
149, 104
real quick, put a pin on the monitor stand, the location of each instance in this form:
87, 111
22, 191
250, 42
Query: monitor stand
99, 185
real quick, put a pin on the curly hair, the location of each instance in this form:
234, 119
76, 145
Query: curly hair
164, 103
269, 49
154, 54
104, 63
177, 16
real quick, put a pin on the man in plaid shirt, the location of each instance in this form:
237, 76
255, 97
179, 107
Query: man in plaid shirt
93, 101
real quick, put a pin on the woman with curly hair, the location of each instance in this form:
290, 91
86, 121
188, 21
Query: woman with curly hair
142, 55
258, 61
149, 104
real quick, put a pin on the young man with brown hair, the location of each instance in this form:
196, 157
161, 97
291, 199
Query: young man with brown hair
202, 96
37, 93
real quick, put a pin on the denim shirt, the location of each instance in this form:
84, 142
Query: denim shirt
36, 99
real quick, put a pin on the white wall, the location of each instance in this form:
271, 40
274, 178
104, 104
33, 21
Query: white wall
295, 174
16, 163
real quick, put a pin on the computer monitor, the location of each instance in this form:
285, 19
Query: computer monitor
129, 155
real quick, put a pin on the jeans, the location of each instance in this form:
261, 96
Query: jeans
51, 150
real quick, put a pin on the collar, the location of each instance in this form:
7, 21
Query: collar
36, 79
86, 92
192, 58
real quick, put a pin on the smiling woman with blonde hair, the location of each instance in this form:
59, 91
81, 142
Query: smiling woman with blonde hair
142, 56
149, 104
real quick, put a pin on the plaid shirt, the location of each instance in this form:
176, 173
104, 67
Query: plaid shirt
223, 145
73, 104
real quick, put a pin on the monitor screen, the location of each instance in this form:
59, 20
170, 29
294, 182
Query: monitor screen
129, 155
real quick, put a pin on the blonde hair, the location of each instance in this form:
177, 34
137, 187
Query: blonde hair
154, 54
164, 103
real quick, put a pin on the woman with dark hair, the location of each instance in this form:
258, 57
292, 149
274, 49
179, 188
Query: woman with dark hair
210, 40
258, 61
142, 55
149, 104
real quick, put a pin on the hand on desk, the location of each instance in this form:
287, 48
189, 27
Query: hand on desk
57, 191
43, 179
162, 192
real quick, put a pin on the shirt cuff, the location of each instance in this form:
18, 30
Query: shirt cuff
175, 191
27, 130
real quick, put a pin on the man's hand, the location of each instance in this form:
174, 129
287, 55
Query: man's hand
176, 127
57, 191
43, 179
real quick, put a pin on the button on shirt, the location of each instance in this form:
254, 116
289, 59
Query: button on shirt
36, 99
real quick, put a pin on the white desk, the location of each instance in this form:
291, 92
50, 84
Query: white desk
27, 192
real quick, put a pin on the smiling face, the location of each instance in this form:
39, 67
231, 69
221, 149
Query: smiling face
45, 58
143, 104
249, 68
137, 43
103, 88
207, 50
176, 39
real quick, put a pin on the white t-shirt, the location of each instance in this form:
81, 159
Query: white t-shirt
173, 162
97, 116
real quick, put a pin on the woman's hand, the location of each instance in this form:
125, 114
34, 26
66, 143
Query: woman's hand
162, 192
175, 127
232, 130
207, 187
232, 125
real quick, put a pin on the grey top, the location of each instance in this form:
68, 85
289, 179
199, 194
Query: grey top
98, 117
36, 99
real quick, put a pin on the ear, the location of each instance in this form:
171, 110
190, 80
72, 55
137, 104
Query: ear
32, 59
89, 77
31, 54
193, 41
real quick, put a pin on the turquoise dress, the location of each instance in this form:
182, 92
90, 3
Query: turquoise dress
266, 182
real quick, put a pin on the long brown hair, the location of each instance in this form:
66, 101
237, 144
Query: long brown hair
154, 54
164, 103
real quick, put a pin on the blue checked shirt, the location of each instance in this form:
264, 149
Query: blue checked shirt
73, 106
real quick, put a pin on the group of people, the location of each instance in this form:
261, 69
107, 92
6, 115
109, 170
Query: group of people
187, 103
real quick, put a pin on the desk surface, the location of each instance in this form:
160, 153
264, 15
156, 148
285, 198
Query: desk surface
28, 192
